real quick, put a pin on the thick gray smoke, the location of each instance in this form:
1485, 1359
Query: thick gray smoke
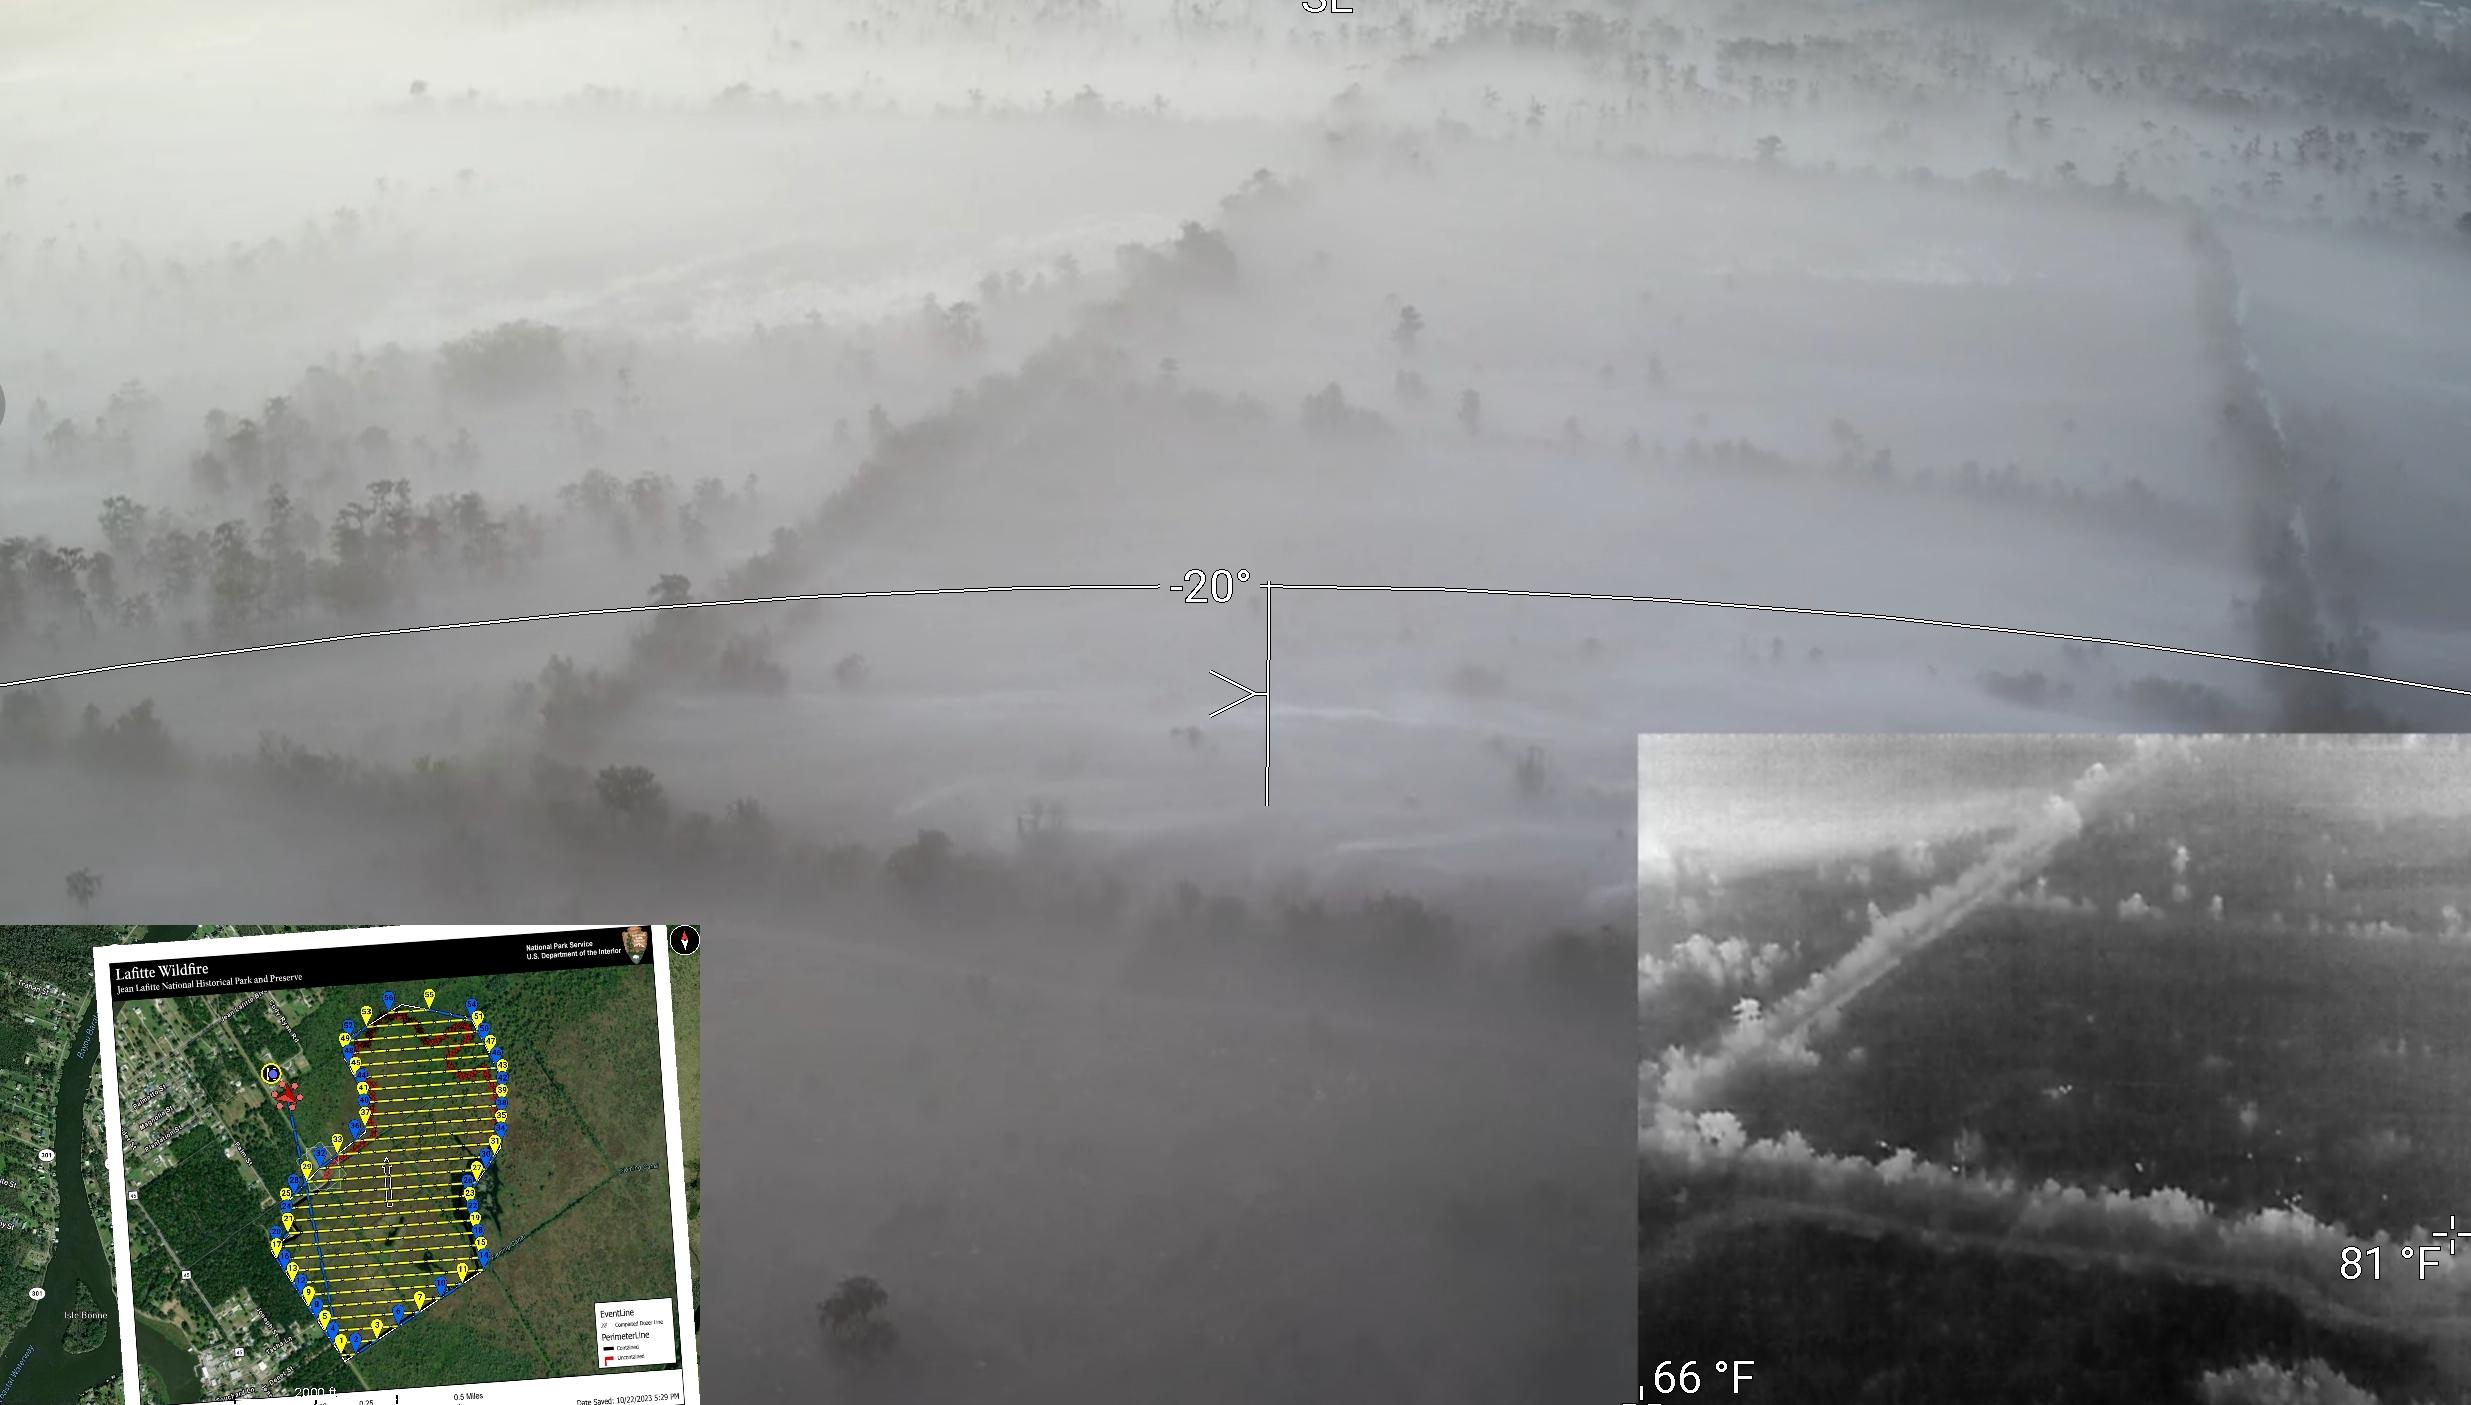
1778, 1036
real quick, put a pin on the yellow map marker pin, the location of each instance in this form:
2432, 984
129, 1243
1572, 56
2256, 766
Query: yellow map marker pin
494, 1143
286, 1193
479, 1018
462, 1271
376, 1328
367, 1015
275, 1247
291, 1273
336, 1141
342, 1347
475, 1217
428, 998
501, 1087
344, 1038
308, 1295
476, 1170
287, 1222
325, 1318
308, 1170
419, 1298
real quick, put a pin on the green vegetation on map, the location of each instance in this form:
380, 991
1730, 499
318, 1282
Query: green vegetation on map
581, 1215
576, 1210
61, 1347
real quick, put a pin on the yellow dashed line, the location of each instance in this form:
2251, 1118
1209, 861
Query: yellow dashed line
438, 1122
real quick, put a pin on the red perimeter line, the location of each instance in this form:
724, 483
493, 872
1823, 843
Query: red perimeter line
462, 1039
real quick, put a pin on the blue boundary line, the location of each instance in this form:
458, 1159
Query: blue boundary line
494, 1066
300, 1206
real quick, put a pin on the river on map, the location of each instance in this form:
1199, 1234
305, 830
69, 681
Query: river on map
36, 1368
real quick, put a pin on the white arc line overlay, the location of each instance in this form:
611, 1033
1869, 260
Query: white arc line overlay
565, 615
1863, 615
1328, 587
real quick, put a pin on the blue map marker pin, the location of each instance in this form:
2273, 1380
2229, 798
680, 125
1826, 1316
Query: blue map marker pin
469, 1005
398, 1313
442, 1285
389, 998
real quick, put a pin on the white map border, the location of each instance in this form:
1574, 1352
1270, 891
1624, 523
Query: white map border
124, 1281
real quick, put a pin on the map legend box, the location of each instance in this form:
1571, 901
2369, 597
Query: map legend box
636, 1333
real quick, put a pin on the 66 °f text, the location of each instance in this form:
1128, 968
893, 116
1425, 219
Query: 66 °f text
1682, 1378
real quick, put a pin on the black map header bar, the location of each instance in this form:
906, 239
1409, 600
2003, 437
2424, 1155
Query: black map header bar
439, 958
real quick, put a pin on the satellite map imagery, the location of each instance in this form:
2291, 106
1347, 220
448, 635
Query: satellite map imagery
55, 1270
226, 1096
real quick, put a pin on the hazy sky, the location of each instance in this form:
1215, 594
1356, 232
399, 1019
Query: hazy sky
854, 297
